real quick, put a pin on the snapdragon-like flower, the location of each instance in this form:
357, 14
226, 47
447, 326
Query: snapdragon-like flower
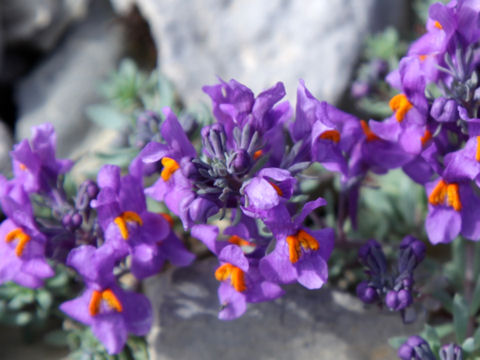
173, 185
452, 207
300, 254
129, 228
111, 312
34, 163
239, 274
22, 245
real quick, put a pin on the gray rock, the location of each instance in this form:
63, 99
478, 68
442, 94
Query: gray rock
59, 90
39, 23
304, 324
6, 143
262, 42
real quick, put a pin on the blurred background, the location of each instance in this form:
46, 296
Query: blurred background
54, 54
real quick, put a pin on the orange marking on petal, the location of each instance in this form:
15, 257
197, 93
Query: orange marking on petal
23, 239
426, 137
238, 279
307, 241
301, 239
332, 135
438, 25
94, 305
437, 196
22, 167
449, 192
223, 272
370, 135
422, 57
112, 301
169, 167
168, 218
122, 226
257, 154
294, 250
123, 218
477, 154
400, 104
453, 197
237, 240
236, 275
277, 188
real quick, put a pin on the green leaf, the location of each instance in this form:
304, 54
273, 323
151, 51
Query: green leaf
108, 117
460, 317
458, 259
469, 345
21, 299
475, 304
431, 336
44, 299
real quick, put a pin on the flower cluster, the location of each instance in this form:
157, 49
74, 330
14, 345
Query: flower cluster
101, 231
392, 288
246, 173
435, 120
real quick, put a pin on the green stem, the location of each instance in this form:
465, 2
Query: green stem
469, 282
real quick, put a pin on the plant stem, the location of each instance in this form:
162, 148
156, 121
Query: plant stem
469, 282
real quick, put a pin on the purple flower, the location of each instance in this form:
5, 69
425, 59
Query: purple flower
300, 254
22, 251
22, 245
241, 280
34, 164
172, 186
452, 208
129, 228
236, 107
110, 311
270, 188
328, 132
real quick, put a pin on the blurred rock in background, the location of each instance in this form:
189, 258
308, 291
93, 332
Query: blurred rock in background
260, 43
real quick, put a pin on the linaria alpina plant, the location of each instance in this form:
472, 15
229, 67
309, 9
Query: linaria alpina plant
238, 185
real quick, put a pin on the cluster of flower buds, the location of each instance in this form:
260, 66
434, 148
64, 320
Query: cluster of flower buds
416, 348
392, 288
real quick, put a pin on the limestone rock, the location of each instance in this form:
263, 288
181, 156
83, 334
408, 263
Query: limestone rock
60, 88
304, 324
262, 42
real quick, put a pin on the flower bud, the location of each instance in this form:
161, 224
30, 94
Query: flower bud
444, 110
451, 352
366, 293
415, 348
418, 247
241, 162
92, 189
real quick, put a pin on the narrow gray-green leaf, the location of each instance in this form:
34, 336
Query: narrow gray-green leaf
475, 304
460, 317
